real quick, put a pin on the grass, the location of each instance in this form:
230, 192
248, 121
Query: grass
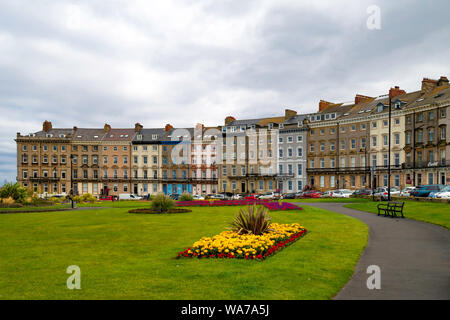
131, 256
436, 213
116, 204
36, 208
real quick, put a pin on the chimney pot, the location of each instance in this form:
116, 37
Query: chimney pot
229, 119
324, 104
138, 127
168, 127
288, 113
106, 127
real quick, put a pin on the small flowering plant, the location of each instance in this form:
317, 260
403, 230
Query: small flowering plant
275, 206
232, 245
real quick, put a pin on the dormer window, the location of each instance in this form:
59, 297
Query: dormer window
398, 105
380, 108
62, 135
300, 124
270, 126
333, 116
154, 136
281, 126
243, 128
49, 135
327, 116
139, 137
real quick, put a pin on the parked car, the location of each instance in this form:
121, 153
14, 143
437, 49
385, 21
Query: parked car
424, 191
129, 196
198, 197
312, 194
299, 194
345, 193
444, 193
251, 196
383, 192
406, 192
289, 196
237, 197
268, 195
327, 194
363, 192
107, 198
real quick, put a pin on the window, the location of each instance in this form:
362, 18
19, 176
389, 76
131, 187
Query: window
322, 162
353, 143
332, 145
322, 181
442, 130
374, 124
322, 146
299, 152
300, 169
332, 131
385, 140
408, 137
431, 115
290, 152
431, 134
374, 141
332, 182
342, 144
311, 147
419, 136
290, 139
397, 138
332, 162
419, 117
299, 185
363, 126
353, 127
397, 121
299, 138
385, 160
363, 142
397, 159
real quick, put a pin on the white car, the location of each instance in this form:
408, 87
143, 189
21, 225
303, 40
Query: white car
406, 192
198, 197
267, 195
237, 197
128, 196
444, 193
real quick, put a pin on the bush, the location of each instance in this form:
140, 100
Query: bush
14, 191
162, 203
186, 197
255, 220
55, 200
87, 197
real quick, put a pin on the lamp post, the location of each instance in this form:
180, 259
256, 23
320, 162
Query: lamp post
71, 182
389, 151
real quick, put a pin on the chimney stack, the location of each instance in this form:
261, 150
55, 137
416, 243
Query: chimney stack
138, 127
75, 129
168, 127
46, 126
428, 85
396, 91
229, 119
443, 80
107, 127
289, 113
324, 104
199, 127
360, 98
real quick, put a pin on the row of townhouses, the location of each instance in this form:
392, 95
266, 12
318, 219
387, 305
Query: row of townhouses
343, 145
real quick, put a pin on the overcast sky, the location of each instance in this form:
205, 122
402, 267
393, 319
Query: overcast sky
85, 63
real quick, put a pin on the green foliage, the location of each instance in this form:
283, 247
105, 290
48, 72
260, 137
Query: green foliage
254, 220
56, 200
87, 197
186, 197
14, 191
162, 203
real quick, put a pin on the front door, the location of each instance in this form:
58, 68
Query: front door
243, 186
135, 189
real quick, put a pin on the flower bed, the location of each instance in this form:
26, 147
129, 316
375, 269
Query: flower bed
272, 206
230, 244
219, 203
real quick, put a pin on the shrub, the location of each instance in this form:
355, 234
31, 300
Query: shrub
55, 200
255, 220
186, 197
14, 191
162, 203
87, 197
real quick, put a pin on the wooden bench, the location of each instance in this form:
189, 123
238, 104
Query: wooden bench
391, 208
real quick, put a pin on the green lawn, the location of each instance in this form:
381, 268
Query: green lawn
37, 208
116, 204
436, 213
131, 256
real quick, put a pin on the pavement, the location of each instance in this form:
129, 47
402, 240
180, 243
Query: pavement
413, 257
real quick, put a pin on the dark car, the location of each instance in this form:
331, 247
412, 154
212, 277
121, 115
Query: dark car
363, 192
289, 196
424, 191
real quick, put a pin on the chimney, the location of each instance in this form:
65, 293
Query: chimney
323, 104
75, 129
428, 85
168, 127
396, 91
46, 126
107, 127
289, 113
229, 119
360, 98
442, 81
199, 127
138, 127
18, 134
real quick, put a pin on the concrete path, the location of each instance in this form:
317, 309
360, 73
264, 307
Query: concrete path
414, 258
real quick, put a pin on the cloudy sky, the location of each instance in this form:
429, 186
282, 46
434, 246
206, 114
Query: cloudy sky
85, 63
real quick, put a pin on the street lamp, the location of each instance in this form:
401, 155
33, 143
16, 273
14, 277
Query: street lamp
71, 183
389, 151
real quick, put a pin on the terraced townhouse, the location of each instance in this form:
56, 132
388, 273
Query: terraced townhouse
343, 145
348, 142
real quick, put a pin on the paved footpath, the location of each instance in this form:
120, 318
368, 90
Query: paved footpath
414, 258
